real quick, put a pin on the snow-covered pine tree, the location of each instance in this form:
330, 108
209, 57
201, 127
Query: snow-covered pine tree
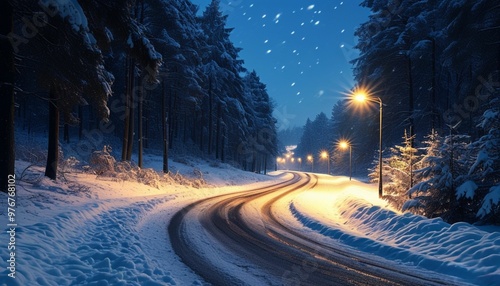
485, 171
182, 42
441, 167
223, 83
304, 147
261, 121
398, 170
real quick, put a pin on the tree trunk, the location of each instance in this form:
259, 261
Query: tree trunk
218, 137
185, 127
164, 119
53, 148
435, 116
411, 99
254, 162
139, 127
170, 113
131, 96
210, 127
126, 120
66, 133
146, 112
201, 130
7, 153
80, 123
265, 164
222, 144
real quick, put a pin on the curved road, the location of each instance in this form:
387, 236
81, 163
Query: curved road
215, 239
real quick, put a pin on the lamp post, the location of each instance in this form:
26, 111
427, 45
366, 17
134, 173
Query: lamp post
325, 155
344, 145
311, 159
361, 96
300, 163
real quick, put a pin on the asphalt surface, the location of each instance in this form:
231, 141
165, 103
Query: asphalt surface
270, 252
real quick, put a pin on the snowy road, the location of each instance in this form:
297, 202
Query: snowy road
244, 238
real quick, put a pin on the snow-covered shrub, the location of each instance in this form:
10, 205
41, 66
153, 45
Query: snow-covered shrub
198, 181
102, 162
125, 171
69, 164
177, 179
149, 177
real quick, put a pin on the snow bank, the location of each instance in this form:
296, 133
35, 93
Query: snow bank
359, 219
89, 229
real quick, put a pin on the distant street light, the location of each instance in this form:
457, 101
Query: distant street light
300, 163
361, 97
311, 159
324, 155
344, 145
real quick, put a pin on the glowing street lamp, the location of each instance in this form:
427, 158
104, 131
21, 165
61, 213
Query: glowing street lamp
361, 97
311, 159
300, 163
344, 145
324, 155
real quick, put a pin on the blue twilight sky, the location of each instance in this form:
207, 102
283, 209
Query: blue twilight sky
300, 49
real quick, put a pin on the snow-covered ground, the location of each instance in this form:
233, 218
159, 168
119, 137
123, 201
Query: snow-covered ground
93, 230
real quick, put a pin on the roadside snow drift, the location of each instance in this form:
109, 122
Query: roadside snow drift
355, 216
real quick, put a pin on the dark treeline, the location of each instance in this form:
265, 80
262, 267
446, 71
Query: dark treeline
150, 72
435, 66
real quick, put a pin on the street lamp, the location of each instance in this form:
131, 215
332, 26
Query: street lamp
324, 155
360, 96
300, 163
344, 145
311, 159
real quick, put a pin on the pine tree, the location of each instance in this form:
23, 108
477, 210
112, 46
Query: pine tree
260, 121
435, 194
398, 171
224, 85
485, 171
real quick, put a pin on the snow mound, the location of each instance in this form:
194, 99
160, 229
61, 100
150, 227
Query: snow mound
459, 249
92, 244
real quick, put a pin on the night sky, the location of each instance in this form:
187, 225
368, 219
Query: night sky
300, 49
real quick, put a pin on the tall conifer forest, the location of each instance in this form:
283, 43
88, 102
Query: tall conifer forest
128, 76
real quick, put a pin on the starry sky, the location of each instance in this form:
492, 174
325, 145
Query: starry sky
300, 49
